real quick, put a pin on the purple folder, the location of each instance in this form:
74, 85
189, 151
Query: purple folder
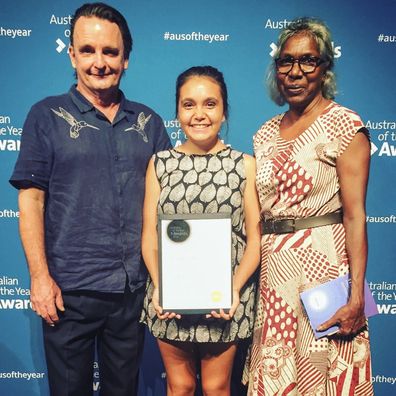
321, 302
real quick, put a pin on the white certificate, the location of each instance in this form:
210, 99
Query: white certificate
195, 262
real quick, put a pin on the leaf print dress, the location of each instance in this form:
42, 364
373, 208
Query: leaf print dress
209, 183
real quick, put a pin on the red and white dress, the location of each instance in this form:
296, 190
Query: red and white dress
297, 179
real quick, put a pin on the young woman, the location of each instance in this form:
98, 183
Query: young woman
202, 175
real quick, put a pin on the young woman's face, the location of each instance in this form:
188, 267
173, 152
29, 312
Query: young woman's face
201, 110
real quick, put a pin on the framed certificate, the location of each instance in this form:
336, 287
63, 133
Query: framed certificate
195, 267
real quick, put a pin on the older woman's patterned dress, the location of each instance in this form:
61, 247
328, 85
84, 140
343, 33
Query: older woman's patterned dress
297, 179
212, 183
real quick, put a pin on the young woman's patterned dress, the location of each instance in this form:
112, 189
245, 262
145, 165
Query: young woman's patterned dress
297, 179
212, 183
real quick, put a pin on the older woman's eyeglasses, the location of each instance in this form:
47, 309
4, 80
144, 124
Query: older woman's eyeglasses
306, 63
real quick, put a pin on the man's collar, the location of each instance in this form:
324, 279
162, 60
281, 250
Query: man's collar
126, 105
84, 105
79, 100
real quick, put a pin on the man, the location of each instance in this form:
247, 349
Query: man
81, 173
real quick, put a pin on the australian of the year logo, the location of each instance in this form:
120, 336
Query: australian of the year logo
63, 21
385, 294
14, 303
276, 24
10, 145
13, 296
60, 20
385, 146
8, 133
175, 133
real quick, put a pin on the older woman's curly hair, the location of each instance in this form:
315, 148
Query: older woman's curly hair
318, 30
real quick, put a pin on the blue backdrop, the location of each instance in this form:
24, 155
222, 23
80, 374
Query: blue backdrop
169, 36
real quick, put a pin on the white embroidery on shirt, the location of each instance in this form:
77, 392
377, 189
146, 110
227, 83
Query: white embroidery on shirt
76, 126
142, 120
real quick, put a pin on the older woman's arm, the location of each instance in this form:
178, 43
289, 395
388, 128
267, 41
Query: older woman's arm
353, 170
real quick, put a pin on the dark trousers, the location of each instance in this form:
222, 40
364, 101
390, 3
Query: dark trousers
111, 322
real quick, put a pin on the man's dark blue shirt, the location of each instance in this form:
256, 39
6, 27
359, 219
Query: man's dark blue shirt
93, 173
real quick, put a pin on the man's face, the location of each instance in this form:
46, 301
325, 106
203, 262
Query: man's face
97, 55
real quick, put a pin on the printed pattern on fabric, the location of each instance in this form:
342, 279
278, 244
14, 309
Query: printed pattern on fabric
212, 183
296, 179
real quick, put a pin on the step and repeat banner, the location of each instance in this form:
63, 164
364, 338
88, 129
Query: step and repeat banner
238, 37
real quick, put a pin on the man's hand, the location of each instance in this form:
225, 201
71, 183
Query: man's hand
46, 298
45, 295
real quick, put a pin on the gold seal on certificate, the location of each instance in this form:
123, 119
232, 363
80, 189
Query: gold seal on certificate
216, 296
195, 262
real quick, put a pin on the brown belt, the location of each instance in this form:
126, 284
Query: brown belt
285, 226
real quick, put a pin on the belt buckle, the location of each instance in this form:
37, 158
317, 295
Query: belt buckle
284, 226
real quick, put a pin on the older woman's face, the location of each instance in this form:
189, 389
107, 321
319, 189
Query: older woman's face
298, 88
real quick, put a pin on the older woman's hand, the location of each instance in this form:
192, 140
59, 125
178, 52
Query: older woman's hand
350, 318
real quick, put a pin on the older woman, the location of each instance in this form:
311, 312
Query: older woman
312, 170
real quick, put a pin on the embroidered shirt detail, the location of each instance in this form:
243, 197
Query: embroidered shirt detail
76, 126
142, 120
